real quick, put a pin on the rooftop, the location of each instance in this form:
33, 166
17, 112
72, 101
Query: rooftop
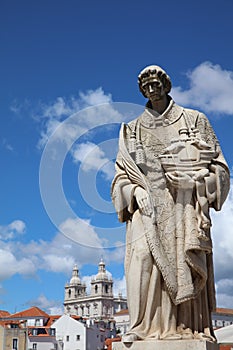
29, 313
224, 311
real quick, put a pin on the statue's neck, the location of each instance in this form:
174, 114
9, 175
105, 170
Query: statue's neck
161, 105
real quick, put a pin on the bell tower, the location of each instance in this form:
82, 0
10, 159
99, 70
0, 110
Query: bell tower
73, 291
101, 284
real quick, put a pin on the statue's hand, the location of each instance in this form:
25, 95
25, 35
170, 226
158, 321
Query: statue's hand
200, 174
179, 179
143, 201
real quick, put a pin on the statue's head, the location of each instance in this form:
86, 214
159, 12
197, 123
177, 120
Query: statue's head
153, 74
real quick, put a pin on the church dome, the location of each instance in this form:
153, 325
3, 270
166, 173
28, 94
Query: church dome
101, 275
75, 277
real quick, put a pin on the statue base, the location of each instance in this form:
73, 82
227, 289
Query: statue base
166, 345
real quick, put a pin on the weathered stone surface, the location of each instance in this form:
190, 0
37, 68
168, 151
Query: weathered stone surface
169, 171
166, 345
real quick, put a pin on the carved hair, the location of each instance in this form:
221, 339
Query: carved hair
150, 73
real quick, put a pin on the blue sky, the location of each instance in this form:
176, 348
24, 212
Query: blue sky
59, 59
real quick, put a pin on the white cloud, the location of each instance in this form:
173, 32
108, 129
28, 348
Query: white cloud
82, 232
52, 307
223, 251
19, 107
7, 145
224, 293
118, 253
93, 157
52, 115
224, 300
58, 255
211, 89
56, 263
18, 226
58, 109
95, 97
119, 286
23, 265
11, 230
87, 280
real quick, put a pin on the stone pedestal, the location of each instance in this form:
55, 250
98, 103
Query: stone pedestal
166, 345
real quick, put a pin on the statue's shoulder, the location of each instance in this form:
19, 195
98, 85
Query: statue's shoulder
190, 111
193, 115
132, 124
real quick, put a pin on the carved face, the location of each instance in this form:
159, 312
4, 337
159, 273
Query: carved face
154, 90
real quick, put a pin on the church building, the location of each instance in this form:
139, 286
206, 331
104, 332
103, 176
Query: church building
100, 303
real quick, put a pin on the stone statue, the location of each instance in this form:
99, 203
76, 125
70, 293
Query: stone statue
169, 172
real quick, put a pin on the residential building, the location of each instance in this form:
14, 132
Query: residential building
34, 329
27, 330
122, 321
222, 318
13, 336
75, 333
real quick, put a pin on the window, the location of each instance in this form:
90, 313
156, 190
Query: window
14, 325
52, 331
78, 337
37, 322
82, 310
67, 338
34, 346
34, 331
15, 344
219, 323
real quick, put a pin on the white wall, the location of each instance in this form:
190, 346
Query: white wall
43, 343
65, 327
122, 322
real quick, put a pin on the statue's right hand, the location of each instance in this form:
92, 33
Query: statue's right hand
180, 180
143, 201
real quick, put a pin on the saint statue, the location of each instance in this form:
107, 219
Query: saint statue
169, 172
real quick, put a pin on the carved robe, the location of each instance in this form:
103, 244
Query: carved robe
168, 262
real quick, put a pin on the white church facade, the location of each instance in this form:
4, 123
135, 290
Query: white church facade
100, 303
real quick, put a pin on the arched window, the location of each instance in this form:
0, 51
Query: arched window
106, 288
96, 289
69, 293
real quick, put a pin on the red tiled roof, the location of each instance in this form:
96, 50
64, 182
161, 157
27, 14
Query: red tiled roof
122, 312
31, 312
220, 310
76, 317
4, 313
108, 342
46, 334
38, 327
43, 331
5, 323
52, 318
